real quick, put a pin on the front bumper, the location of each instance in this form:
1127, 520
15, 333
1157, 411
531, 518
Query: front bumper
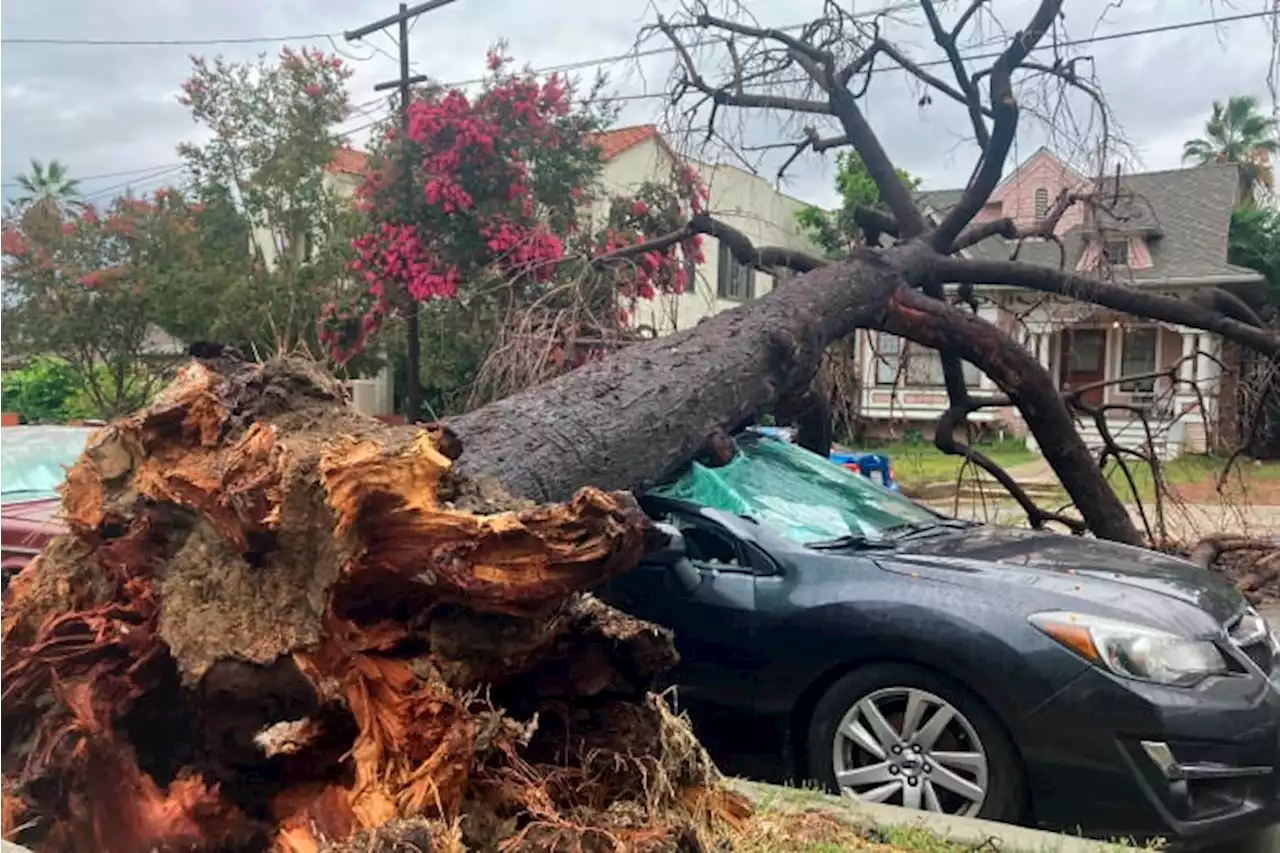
1119, 758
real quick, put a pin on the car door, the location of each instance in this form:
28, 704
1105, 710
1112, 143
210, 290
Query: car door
714, 625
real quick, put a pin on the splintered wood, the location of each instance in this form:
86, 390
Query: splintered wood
276, 624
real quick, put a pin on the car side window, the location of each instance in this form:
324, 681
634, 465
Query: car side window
707, 546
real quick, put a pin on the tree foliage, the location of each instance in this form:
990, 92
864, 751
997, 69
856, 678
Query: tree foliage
838, 230
1238, 132
276, 222
48, 185
45, 390
501, 212
1254, 242
84, 287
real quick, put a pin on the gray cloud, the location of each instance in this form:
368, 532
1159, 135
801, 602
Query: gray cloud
111, 109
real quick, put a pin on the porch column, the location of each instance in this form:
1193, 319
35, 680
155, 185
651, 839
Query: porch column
1043, 342
1205, 365
1186, 370
866, 361
1209, 372
991, 313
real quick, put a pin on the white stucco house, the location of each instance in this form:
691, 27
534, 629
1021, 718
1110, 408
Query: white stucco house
752, 204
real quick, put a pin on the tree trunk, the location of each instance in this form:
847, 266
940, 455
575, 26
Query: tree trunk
631, 420
277, 623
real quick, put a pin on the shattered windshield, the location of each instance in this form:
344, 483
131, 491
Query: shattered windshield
34, 460
797, 493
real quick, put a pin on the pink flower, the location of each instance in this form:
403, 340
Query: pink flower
639, 208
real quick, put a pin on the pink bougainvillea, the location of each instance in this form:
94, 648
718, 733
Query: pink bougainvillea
491, 198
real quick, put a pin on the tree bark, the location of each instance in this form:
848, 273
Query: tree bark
630, 421
276, 623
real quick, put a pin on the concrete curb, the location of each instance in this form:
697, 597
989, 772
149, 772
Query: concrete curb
982, 834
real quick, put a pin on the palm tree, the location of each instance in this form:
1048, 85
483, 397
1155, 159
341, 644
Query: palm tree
49, 186
1238, 132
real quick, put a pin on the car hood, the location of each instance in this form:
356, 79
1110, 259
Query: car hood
30, 524
1098, 572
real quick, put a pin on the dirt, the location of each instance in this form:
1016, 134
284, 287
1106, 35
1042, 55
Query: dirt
1258, 491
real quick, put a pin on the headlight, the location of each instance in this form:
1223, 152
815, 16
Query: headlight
1133, 651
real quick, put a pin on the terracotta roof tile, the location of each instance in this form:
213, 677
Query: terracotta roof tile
614, 142
349, 160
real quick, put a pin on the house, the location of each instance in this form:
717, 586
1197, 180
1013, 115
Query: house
633, 155
1160, 231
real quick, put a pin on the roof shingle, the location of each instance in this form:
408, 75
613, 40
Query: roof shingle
1186, 214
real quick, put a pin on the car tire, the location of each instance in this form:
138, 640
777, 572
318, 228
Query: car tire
977, 749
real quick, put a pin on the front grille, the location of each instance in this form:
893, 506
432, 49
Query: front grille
1251, 634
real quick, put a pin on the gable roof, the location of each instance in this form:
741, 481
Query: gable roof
1186, 212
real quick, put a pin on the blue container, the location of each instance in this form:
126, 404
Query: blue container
867, 465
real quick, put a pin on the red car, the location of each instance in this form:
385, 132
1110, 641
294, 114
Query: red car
33, 463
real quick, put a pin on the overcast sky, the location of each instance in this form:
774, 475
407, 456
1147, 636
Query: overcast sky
109, 109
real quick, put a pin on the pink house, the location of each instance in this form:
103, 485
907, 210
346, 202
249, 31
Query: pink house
1164, 231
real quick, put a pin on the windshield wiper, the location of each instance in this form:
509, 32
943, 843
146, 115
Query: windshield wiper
913, 528
849, 540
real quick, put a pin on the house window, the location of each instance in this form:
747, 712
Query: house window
888, 356
1116, 253
1138, 357
1042, 203
735, 280
919, 366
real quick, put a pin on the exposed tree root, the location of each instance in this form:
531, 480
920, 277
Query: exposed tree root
279, 625
1252, 564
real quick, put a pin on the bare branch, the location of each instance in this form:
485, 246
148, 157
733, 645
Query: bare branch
1005, 107
1127, 299
732, 95
764, 258
874, 223
932, 323
972, 98
1005, 227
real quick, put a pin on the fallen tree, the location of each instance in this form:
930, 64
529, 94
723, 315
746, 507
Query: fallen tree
277, 624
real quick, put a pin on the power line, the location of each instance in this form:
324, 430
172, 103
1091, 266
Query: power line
643, 96
931, 63
69, 42
101, 175
158, 173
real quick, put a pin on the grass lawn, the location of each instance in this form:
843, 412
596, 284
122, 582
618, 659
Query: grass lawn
790, 820
918, 464
1194, 478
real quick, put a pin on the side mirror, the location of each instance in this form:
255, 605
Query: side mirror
675, 559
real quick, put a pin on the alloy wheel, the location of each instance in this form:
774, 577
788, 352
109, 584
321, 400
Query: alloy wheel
905, 746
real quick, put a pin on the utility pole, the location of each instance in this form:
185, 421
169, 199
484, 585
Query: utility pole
413, 346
